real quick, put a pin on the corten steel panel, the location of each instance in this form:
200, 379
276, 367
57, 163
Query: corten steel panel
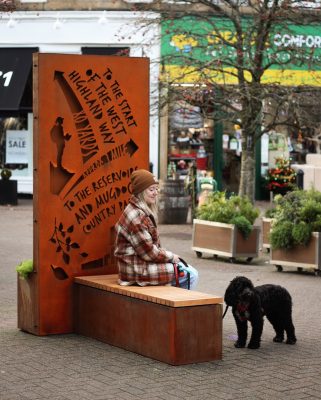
91, 128
176, 336
213, 237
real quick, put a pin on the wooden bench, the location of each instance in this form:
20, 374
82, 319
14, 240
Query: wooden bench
169, 324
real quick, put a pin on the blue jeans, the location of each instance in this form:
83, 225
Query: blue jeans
183, 280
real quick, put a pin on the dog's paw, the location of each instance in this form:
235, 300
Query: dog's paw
291, 341
253, 345
278, 339
239, 345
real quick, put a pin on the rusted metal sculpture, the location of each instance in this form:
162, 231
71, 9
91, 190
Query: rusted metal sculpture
91, 130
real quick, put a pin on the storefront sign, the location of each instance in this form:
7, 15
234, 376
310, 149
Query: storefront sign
15, 70
294, 51
17, 147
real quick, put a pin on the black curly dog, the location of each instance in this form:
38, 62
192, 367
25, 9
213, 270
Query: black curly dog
251, 303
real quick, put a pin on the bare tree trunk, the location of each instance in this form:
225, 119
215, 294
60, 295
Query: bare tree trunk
247, 179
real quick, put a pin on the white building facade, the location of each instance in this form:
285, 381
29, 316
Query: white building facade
75, 32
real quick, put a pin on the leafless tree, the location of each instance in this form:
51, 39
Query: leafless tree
238, 50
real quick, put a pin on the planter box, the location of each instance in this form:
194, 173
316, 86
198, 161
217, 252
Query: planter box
300, 257
28, 312
224, 240
266, 227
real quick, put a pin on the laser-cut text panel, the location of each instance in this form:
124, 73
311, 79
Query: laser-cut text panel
91, 131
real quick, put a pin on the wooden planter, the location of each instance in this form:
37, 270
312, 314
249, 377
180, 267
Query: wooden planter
300, 257
266, 227
224, 240
28, 311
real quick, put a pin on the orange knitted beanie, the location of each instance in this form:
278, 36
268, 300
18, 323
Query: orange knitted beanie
141, 179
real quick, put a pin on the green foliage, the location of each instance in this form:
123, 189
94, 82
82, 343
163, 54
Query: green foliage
310, 210
301, 233
269, 213
316, 225
300, 209
243, 225
25, 268
239, 209
281, 235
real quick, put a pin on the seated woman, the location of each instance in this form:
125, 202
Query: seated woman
140, 257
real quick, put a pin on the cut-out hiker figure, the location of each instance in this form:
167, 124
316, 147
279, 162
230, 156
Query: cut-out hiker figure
59, 137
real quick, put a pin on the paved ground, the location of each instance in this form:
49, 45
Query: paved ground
73, 367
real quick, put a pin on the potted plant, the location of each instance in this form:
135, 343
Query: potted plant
8, 188
27, 305
282, 177
224, 226
295, 230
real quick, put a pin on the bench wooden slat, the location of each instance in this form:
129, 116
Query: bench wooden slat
166, 295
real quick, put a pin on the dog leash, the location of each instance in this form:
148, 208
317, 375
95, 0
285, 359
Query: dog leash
226, 308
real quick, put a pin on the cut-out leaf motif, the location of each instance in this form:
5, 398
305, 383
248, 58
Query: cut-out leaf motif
66, 257
63, 242
59, 272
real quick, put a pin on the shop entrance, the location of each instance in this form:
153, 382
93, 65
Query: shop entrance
194, 142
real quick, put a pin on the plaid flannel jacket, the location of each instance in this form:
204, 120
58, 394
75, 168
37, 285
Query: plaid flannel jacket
139, 254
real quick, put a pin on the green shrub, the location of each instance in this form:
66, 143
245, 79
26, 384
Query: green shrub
281, 235
301, 233
302, 210
316, 225
269, 213
310, 209
218, 208
243, 224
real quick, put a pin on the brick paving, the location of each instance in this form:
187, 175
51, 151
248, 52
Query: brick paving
68, 367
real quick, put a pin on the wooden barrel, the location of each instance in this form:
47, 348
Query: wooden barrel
173, 202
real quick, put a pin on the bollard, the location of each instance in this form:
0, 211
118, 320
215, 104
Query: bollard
299, 178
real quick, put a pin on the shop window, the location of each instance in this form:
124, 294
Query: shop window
14, 144
188, 136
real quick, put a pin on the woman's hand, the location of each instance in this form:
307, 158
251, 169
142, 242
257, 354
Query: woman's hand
175, 259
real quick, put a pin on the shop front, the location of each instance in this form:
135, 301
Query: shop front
92, 32
215, 149
16, 114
